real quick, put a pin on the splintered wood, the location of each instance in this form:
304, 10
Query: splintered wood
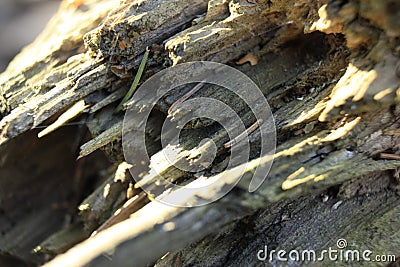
335, 102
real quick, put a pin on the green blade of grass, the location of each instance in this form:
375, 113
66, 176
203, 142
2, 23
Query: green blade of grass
135, 82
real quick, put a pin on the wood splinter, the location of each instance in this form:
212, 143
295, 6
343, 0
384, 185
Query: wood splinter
185, 97
389, 156
68, 115
241, 136
250, 57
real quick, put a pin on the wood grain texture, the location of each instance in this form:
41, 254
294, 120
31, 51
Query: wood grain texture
329, 72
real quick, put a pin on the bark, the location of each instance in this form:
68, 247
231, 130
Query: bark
329, 70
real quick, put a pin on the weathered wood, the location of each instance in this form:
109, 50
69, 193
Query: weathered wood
293, 225
334, 98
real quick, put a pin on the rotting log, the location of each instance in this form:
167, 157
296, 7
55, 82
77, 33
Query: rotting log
330, 72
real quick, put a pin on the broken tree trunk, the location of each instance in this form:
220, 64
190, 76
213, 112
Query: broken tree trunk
329, 70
